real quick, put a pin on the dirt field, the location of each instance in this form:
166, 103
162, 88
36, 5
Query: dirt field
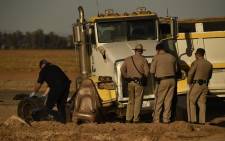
18, 70
12, 129
178, 131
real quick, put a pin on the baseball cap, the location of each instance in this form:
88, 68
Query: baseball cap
43, 61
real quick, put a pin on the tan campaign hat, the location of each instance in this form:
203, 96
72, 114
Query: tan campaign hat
139, 47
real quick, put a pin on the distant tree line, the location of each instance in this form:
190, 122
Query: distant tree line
34, 40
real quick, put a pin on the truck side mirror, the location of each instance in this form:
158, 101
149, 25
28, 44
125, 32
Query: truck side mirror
91, 34
173, 27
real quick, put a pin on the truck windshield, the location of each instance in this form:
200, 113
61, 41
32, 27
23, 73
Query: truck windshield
118, 31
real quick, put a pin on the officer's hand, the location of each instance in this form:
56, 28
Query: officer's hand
43, 96
32, 94
190, 85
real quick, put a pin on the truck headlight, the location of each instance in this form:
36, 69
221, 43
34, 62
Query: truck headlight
106, 85
105, 79
106, 82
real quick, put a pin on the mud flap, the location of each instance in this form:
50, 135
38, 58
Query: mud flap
87, 104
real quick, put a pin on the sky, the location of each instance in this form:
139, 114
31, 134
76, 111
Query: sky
59, 15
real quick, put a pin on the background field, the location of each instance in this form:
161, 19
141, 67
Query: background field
18, 73
19, 68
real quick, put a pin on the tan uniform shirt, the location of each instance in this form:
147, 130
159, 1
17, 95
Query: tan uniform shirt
128, 69
163, 64
200, 69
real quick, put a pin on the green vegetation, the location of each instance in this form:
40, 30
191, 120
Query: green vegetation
37, 39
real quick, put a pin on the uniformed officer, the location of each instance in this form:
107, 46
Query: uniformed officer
59, 86
134, 69
163, 67
198, 79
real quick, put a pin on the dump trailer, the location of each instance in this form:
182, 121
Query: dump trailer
105, 40
207, 33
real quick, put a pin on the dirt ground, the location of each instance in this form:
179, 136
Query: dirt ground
12, 129
18, 70
177, 131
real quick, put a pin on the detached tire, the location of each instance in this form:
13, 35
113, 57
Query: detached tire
27, 105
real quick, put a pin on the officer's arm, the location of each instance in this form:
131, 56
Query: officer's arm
46, 91
39, 82
210, 73
178, 69
191, 72
123, 70
176, 66
153, 66
37, 87
146, 68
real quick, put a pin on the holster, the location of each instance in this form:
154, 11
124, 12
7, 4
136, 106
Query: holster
140, 81
200, 81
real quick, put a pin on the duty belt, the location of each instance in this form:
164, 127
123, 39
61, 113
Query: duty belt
158, 79
165, 77
135, 80
200, 81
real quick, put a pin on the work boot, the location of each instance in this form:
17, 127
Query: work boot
137, 121
129, 121
193, 122
166, 122
156, 121
49, 118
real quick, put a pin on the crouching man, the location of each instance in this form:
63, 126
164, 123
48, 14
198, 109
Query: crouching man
59, 86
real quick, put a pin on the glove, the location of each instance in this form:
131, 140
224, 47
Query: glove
32, 94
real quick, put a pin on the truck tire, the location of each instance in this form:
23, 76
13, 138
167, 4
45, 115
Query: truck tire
27, 105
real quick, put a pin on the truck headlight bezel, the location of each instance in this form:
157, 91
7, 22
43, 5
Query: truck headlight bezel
105, 79
106, 82
106, 85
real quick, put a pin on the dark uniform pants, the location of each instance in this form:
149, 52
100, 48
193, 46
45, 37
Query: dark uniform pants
135, 92
163, 97
197, 95
57, 95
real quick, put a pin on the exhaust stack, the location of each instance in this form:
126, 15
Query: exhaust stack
82, 43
